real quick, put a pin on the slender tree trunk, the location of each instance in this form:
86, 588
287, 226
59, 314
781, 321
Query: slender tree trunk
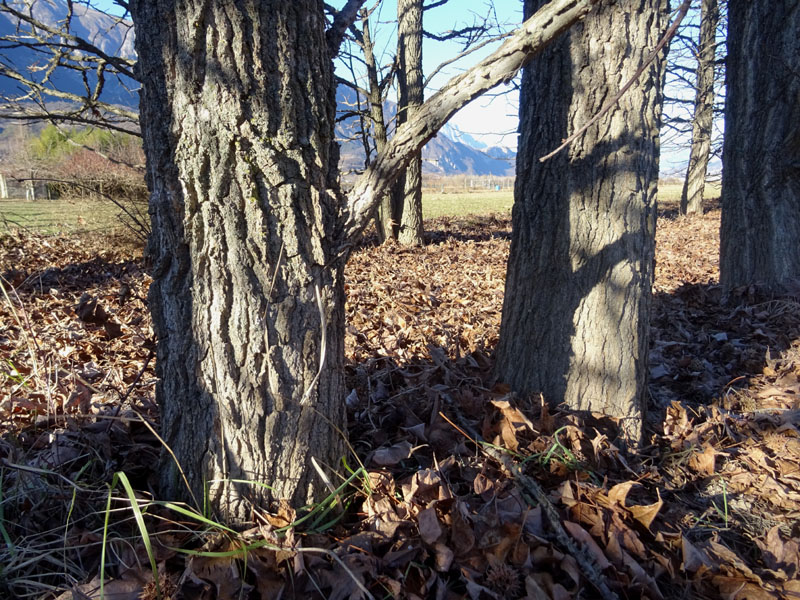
237, 114
410, 84
761, 154
384, 220
577, 298
694, 183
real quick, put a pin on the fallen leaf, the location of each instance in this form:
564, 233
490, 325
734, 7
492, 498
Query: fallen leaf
703, 462
645, 514
386, 457
428, 523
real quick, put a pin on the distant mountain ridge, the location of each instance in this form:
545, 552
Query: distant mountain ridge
442, 155
109, 34
451, 152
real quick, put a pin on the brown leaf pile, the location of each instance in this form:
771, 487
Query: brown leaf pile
468, 491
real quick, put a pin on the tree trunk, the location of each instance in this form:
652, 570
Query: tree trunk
760, 164
695, 181
385, 218
237, 113
410, 85
577, 298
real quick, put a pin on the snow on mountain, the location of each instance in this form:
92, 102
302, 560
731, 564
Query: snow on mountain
443, 155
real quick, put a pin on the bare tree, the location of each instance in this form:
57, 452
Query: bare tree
703, 121
682, 89
70, 81
400, 214
761, 172
410, 97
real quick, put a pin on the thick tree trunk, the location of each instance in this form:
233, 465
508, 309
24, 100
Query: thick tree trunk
410, 84
761, 154
577, 298
695, 181
237, 113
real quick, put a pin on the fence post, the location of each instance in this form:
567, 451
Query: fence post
3, 186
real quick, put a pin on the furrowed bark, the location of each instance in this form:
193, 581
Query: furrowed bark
247, 300
576, 306
410, 83
760, 165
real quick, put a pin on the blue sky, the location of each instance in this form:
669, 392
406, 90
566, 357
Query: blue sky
491, 119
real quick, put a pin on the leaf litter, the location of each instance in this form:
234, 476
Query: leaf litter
467, 490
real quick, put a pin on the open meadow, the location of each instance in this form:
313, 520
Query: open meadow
51, 217
707, 508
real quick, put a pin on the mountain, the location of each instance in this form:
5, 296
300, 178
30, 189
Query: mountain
455, 134
449, 153
109, 34
442, 155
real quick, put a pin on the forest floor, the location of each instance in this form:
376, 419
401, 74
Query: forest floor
543, 506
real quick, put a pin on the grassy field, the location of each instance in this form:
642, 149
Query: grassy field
59, 216
64, 216
435, 204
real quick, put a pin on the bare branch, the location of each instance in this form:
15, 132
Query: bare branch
470, 31
501, 66
122, 65
461, 55
341, 22
91, 103
663, 42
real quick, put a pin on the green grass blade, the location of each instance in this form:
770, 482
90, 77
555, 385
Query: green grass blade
137, 513
105, 540
193, 515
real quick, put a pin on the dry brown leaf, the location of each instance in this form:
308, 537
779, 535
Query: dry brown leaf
619, 493
430, 529
703, 462
462, 536
646, 514
221, 572
444, 557
694, 559
781, 555
387, 457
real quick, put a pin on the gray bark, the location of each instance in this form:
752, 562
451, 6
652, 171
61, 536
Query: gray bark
386, 218
238, 168
761, 152
410, 86
694, 183
577, 298
250, 234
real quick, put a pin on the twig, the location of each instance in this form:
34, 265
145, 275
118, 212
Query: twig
130, 389
611, 103
590, 570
